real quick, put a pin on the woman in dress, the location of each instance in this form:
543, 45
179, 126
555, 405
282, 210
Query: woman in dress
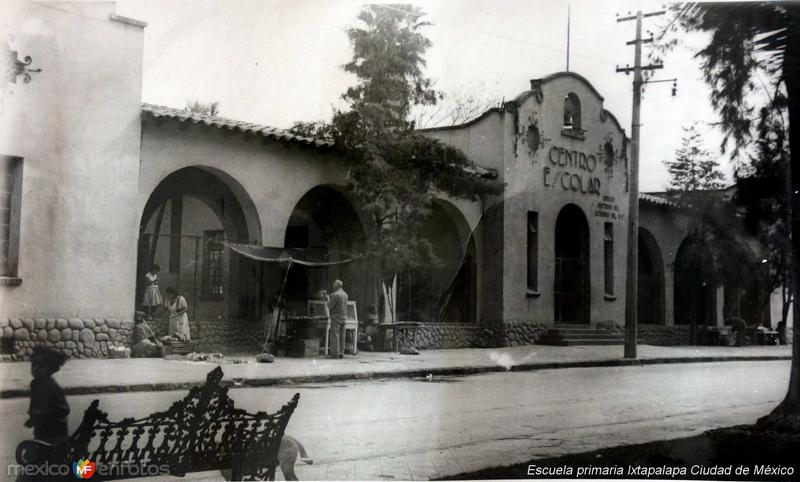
152, 295
178, 319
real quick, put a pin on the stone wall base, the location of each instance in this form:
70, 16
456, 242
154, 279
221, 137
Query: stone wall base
91, 337
224, 336
662, 335
521, 332
659, 335
434, 336
509, 333
77, 337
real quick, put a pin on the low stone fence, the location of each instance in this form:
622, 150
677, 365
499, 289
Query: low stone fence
91, 337
77, 337
521, 332
663, 335
454, 335
225, 336
658, 335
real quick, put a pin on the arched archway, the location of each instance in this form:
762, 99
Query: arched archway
572, 285
650, 280
695, 290
746, 286
572, 112
446, 292
183, 224
325, 223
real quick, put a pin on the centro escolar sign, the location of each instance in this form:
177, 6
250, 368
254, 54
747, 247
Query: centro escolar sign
571, 171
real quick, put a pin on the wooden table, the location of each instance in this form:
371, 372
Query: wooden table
766, 337
299, 327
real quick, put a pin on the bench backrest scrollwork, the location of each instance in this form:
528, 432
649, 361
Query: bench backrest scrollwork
203, 431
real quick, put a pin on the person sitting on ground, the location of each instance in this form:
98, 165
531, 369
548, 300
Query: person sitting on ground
739, 328
48, 408
144, 343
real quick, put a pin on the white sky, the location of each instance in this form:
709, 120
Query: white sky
277, 61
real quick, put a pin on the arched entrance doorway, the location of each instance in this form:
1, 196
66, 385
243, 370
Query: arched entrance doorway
447, 291
650, 280
746, 292
325, 223
695, 290
185, 220
572, 286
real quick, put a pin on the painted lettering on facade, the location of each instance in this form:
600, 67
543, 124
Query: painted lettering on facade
607, 208
571, 171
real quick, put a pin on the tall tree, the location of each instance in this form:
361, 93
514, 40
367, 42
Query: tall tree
394, 172
749, 38
693, 167
762, 192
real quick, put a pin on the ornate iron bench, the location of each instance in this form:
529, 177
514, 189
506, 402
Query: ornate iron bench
201, 432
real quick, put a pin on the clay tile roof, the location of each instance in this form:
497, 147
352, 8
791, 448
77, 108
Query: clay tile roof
248, 128
160, 111
656, 198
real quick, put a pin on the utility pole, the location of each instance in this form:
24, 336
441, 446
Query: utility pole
631, 285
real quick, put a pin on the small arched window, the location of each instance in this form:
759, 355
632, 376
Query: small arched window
572, 112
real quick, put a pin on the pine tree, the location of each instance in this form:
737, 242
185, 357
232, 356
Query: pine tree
693, 168
393, 170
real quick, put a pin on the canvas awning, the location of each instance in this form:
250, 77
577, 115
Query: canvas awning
287, 255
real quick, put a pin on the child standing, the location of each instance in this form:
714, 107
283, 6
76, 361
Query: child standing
152, 295
48, 408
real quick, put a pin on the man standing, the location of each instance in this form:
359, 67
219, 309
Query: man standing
337, 306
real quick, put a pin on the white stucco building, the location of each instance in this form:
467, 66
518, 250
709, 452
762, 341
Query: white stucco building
98, 187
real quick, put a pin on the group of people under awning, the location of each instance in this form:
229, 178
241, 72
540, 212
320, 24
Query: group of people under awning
144, 342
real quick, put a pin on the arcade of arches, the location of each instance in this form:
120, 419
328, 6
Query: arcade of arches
193, 210
705, 295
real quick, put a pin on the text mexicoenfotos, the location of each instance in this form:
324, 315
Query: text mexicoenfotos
120, 470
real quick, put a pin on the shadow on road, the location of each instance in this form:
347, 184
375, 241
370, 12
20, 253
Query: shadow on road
735, 453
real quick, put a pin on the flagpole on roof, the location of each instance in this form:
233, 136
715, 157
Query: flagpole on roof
568, 22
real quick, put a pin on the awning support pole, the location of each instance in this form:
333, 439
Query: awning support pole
279, 303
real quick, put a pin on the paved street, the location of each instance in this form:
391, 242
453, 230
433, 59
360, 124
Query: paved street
146, 374
402, 429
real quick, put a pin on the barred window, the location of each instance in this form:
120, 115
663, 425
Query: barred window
10, 201
533, 251
608, 245
213, 265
